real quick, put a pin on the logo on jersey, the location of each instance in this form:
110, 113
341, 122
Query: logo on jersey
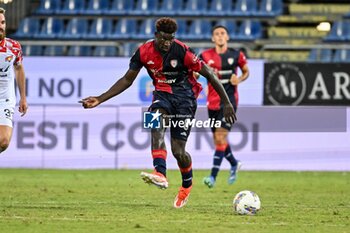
173, 63
150, 62
211, 62
9, 58
230, 60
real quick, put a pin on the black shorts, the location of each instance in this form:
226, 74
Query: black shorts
178, 108
218, 115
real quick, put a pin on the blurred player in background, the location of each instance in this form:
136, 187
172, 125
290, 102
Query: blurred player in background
224, 62
10, 68
170, 64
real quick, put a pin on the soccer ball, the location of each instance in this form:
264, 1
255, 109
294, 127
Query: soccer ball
246, 203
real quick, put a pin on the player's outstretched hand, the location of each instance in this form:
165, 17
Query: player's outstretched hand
23, 106
89, 102
229, 114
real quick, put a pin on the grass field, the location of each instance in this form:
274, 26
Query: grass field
118, 201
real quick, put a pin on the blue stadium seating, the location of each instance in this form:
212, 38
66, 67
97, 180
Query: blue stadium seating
76, 29
145, 7
72, 7
54, 51
124, 29
120, 7
170, 7
181, 28
339, 31
52, 28
32, 50
100, 29
220, 7
129, 49
79, 51
106, 51
249, 30
199, 29
342, 55
320, 55
28, 28
195, 7
49, 7
231, 26
245, 8
96, 7
146, 30
270, 8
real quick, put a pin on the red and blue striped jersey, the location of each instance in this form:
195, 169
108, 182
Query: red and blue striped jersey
224, 65
172, 72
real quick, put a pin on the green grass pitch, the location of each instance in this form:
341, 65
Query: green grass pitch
118, 201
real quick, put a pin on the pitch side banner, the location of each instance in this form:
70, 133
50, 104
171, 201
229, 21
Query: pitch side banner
65, 80
306, 84
111, 137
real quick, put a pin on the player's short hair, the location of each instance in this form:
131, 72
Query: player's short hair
2, 10
166, 24
218, 26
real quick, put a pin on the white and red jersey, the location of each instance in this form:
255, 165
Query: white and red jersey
10, 55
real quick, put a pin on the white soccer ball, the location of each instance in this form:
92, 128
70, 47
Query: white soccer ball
246, 203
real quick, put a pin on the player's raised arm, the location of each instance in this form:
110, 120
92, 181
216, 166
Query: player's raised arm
121, 85
229, 113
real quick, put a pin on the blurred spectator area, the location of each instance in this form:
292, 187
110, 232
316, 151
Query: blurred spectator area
276, 30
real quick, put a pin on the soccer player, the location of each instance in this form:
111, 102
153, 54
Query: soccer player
224, 62
10, 67
170, 64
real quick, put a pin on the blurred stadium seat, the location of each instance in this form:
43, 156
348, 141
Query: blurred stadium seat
339, 31
106, 51
342, 55
195, 7
120, 7
96, 7
79, 51
249, 30
220, 7
198, 29
146, 30
72, 7
129, 49
245, 8
270, 8
181, 28
49, 7
170, 7
125, 28
100, 29
56, 50
76, 29
145, 7
320, 55
51, 28
28, 28
32, 50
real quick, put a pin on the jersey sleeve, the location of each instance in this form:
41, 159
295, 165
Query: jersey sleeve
135, 61
192, 61
17, 51
242, 60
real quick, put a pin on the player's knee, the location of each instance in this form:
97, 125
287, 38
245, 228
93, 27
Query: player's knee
4, 143
220, 141
178, 152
